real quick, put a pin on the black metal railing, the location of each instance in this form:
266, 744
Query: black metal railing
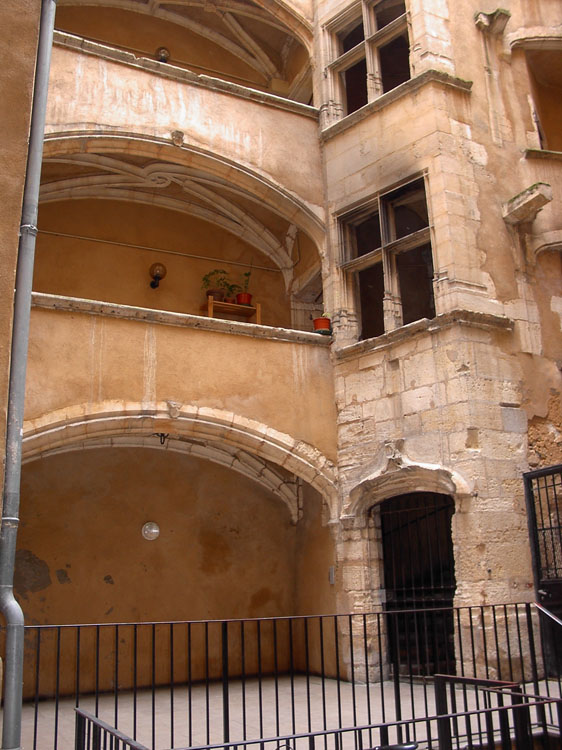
91, 733
502, 718
204, 682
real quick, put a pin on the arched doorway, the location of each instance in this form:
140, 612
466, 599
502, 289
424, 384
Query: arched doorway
419, 580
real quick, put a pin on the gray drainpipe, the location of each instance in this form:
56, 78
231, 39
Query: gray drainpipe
13, 664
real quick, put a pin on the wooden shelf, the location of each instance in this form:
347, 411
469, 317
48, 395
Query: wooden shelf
244, 311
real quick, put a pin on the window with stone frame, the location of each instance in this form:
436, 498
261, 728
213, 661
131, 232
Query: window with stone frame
370, 52
387, 252
545, 73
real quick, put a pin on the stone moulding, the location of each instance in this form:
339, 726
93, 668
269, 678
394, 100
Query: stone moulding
244, 178
543, 153
245, 445
406, 88
183, 320
548, 241
525, 206
112, 178
534, 37
166, 70
393, 473
494, 23
484, 321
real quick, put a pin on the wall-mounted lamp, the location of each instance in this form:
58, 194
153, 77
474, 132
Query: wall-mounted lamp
157, 272
150, 531
162, 54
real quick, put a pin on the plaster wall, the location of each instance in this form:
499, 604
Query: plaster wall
77, 361
227, 549
120, 273
143, 34
88, 92
20, 22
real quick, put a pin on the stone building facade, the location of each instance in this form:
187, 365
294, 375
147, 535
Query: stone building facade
396, 164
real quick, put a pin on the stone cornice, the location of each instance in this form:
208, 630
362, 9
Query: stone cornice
183, 320
540, 153
405, 89
166, 70
485, 321
535, 37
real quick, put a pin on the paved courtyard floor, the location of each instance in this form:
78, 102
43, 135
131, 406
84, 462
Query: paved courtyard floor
185, 718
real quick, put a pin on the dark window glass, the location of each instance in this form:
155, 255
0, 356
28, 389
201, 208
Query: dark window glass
394, 62
371, 292
406, 211
368, 235
387, 11
355, 86
415, 274
545, 75
351, 37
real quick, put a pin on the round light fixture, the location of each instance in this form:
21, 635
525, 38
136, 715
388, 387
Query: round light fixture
150, 531
157, 272
162, 54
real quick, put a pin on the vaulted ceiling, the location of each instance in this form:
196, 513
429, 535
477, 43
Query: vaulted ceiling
187, 190
237, 40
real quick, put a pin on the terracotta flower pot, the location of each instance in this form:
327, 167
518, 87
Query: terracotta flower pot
244, 298
217, 294
322, 325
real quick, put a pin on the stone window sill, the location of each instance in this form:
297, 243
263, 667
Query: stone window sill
405, 89
485, 321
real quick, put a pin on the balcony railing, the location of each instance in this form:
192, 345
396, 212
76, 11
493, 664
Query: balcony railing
193, 683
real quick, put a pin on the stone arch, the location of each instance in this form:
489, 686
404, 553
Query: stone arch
282, 13
392, 474
249, 447
547, 241
204, 170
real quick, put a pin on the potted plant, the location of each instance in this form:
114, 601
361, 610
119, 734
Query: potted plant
323, 324
215, 283
244, 297
230, 291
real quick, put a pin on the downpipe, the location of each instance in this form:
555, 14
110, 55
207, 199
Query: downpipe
9, 607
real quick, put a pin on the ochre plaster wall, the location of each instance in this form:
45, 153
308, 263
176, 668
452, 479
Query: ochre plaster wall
144, 34
315, 556
19, 21
227, 549
91, 93
226, 546
119, 273
78, 360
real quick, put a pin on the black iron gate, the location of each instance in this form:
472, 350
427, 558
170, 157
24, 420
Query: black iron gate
543, 493
419, 574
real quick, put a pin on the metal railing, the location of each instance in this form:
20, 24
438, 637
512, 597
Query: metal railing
94, 734
203, 682
502, 719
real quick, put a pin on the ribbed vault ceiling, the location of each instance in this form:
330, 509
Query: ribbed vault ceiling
179, 188
272, 42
